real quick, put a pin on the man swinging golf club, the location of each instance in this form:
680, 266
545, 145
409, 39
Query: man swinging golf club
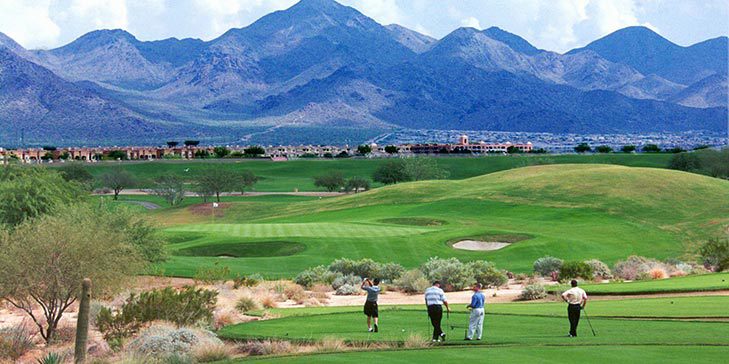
475, 321
370, 306
434, 299
576, 299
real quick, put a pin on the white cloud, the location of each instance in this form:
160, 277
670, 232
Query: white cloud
383, 11
28, 23
101, 14
471, 22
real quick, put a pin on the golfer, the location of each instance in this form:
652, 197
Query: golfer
475, 321
576, 299
434, 299
370, 306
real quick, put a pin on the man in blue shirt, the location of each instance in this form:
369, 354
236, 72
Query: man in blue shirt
370, 306
475, 321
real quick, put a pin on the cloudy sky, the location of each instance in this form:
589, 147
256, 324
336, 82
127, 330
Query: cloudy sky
557, 25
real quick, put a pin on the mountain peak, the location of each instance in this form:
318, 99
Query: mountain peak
514, 41
95, 39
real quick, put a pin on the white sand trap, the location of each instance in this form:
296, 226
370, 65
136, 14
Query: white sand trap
479, 245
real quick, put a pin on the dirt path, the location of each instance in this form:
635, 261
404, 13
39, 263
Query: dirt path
142, 192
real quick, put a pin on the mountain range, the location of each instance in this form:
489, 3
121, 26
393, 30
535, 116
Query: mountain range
321, 72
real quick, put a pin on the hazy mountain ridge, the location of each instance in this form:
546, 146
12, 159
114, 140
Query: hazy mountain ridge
321, 64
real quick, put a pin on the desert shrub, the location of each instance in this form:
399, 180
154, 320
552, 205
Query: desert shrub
15, 341
599, 268
349, 279
268, 301
266, 347
331, 344
685, 267
246, 304
533, 292
161, 341
94, 309
187, 306
211, 275
211, 353
366, 268
65, 334
521, 277
51, 358
570, 270
631, 267
223, 319
679, 273
452, 274
642, 276
246, 281
658, 273
412, 281
486, 274
296, 293
416, 340
346, 290
310, 276
321, 288
546, 265
389, 272
715, 254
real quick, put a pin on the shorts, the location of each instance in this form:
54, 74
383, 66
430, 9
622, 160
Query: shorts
370, 309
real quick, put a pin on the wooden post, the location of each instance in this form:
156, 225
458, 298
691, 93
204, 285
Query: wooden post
82, 324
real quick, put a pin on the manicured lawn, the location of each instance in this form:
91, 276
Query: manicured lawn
693, 283
577, 354
297, 174
573, 212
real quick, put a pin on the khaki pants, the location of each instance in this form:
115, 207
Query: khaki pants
475, 323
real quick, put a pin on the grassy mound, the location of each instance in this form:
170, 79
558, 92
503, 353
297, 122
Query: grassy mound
240, 250
416, 221
573, 212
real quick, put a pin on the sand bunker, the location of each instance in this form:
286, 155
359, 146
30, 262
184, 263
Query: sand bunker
479, 245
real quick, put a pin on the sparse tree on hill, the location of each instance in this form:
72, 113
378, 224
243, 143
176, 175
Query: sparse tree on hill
391, 149
582, 148
603, 149
627, 148
117, 179
356, 184
685, 162
221, 152
332, 181
364, 150
420, 169
191, 143
172, 144
45, 260
202, 154
650, 148
170, 187
390, 172
247, 180
217, 179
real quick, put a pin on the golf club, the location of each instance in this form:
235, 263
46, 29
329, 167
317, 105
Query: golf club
588, 321
448, 319
465, 330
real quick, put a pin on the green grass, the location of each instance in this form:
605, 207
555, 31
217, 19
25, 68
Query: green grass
692, 283
297, 174
573, 212
608, 354
261, 249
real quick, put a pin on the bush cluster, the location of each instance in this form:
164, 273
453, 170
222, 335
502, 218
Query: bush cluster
343, 271
162, 341
453, 275
187, 306
599, 269
573, 270
533, 292
546, 265
15, 341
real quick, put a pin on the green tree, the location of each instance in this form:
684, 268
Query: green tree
513, 150
201, 153
582, 148
356, 184
603, 149
332, 181
247, 180
170, 187
650, 148
685, 162
76, 172
45, 260
117, 179
172, 144
391, 149
627, 148
254, 151
47, 156
64, 156
572, 270
191, 143
364, 149
715, 163
419, 169
27, 192
343, 154
216, 179
221, 152
715, 254
116, 154
390, 172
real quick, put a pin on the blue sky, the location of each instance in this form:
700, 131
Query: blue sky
557, 25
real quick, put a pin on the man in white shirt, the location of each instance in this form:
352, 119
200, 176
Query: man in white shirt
576, 299
434, 298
